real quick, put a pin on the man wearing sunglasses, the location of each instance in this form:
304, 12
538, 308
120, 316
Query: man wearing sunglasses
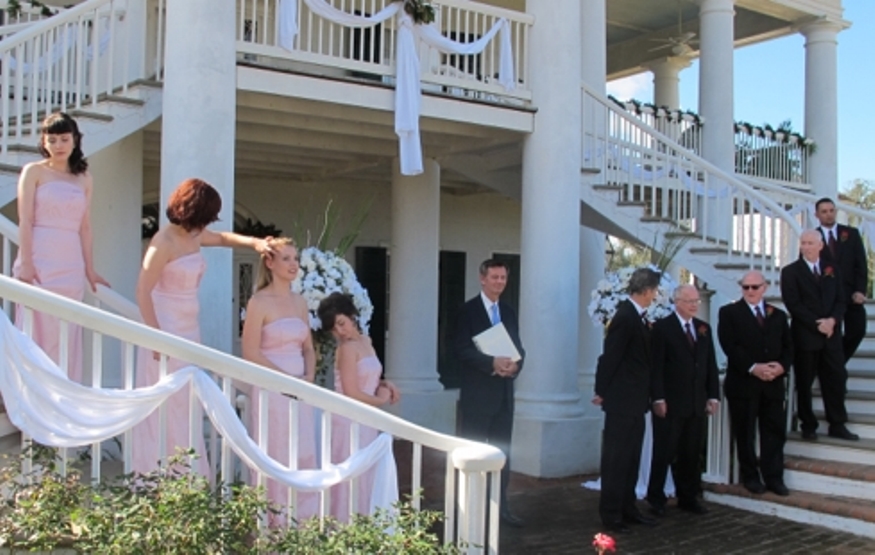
757, 341
813, 293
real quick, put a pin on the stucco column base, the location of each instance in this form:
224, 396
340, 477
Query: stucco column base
551, 448
435, 410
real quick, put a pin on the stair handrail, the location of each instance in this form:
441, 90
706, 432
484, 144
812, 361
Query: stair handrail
106, 296
730, 179
61, 18
474, 461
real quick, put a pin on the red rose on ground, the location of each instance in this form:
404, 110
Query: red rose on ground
603, 543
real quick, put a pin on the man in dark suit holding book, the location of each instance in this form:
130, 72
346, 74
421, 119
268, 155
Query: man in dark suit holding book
486, 398
622, 389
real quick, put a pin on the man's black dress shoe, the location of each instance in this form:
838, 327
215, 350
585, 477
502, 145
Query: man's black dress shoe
616, 527
779, 489
754, 486
693, 507
511, 519
843, 433
811, 435
640, 519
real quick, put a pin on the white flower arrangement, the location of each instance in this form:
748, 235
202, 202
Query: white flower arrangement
615, 288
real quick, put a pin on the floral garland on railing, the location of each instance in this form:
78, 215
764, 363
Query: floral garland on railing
646, 108
778, 135
421, 11
14, 9
615, 288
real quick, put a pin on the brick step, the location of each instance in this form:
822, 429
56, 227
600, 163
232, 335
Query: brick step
834, 478
856, 516
832, 449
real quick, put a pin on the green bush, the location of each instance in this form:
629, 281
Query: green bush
175, 511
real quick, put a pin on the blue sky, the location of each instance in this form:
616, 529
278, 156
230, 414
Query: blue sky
770, 82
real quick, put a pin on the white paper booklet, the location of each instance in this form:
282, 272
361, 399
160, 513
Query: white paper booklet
496, 342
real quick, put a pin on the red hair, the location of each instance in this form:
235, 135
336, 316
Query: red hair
194, 204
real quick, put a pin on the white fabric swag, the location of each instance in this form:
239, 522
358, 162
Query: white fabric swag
408, 91
55, 411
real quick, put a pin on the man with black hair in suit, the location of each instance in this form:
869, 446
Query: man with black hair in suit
757, 342
622, 389
685, 387
843, 247
486, 397
813, 294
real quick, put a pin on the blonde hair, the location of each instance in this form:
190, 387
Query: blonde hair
265, 276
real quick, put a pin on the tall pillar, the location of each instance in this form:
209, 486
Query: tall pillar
548, 433
666, 80
821, 103
593, 33
197, 135
716, 105
411, 360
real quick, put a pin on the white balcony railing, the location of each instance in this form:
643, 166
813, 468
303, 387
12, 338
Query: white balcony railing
324, 47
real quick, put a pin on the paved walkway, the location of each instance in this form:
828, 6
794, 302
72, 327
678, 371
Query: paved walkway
562, 518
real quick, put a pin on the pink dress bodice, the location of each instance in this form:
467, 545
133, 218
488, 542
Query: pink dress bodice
59, 205
175, 296
281, 342
369, 371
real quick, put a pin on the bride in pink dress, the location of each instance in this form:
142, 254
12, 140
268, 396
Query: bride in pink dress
55, 238
167, 294
276, 334
357, 374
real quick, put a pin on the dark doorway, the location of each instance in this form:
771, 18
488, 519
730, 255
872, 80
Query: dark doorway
372, 269
451, 297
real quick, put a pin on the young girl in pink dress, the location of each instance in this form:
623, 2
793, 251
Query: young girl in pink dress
55, 239
276, 334
357, 374
167, 294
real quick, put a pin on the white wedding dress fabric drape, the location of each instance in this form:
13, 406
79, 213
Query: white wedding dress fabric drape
644, 467
55, 411
408, 92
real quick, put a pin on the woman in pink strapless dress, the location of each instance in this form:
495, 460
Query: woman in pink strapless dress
167, 294
276, 334
54, 197
356, 374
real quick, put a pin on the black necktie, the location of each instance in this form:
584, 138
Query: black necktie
816, 271
832, 243
759, 314
690, 339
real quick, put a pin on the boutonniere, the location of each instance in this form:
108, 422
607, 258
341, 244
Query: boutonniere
770, 310
703, 330
828, 271
843, 236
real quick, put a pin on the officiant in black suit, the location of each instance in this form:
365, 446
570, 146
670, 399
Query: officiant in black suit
685, 387
844, 248
486, 398
813, 294
622, 388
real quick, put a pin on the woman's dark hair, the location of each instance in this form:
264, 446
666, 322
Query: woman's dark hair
194, 204
58, 124
333, 306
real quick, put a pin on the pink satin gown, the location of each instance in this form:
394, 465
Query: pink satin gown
369, 371
281, 342
59, 208
176, 307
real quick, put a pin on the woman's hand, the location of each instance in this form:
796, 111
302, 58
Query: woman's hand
94, 278
27, 274
262, 246
394, 392
384, 394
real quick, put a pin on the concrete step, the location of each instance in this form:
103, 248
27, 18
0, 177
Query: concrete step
852, 515
861, 379
861, 424
832, 478
831, 449
862, 361
861, 402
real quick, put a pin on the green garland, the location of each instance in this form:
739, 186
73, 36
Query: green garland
638, 108
421, 11
13, 8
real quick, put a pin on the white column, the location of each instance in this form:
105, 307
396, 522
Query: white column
197, 135
716, 105
667, 80
411, 359
548, 434
593, 32
821, 103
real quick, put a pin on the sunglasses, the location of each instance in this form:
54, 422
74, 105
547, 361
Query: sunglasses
752, 287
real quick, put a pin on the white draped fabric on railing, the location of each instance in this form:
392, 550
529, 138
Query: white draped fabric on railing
55, 411
407, 71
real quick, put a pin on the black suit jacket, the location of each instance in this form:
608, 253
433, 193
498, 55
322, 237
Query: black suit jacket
481, 389
622, 377
809, 299
746, 343
684, 377
850, 259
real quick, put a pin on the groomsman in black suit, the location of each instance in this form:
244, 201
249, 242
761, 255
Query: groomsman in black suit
486, 395
685, 387
844, 249
812, 292
756, 339
622, 388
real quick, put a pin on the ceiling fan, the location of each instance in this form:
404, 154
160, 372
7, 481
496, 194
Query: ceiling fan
680, 44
